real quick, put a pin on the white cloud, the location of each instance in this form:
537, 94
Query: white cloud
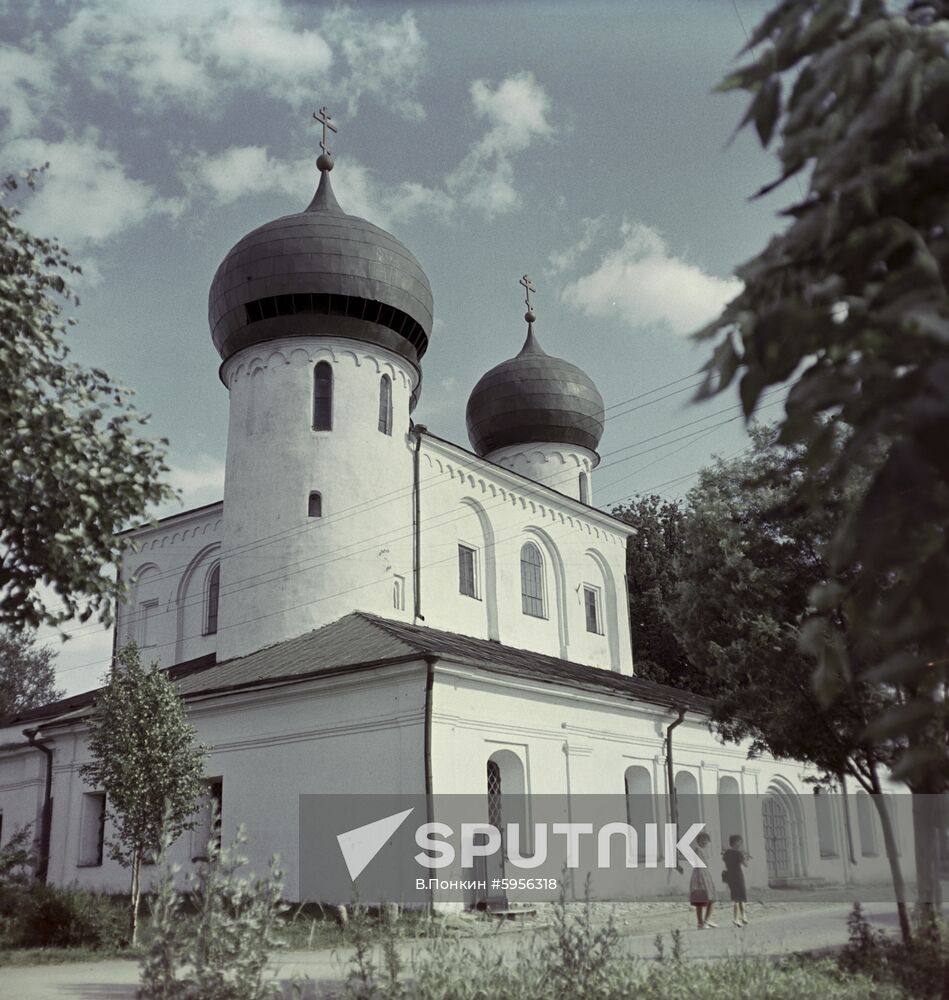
384, 59
249, 170
201, 481
26, 89
643, 284
564, 260
264, 47
516, 113
193, 55
86, 196
151, 53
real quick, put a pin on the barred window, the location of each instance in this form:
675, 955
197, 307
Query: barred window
323, 397
385, 405
532, 581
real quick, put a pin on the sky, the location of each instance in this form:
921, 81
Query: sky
581, 143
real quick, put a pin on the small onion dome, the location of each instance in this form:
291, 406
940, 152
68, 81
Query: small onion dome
534, 397
288, 277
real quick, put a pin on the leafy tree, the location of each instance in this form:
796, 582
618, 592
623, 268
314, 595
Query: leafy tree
27, 674
851, 303
145, 758
652, 581
76, 472
750, 557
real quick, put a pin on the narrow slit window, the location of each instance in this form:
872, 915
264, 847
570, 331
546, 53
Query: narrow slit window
314, 506
323, 397
532, 581
467, 578
385, 405
584, 488
92, 829
214, 597
206, 832
591, 607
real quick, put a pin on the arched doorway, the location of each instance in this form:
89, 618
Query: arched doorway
506, 787
782, 820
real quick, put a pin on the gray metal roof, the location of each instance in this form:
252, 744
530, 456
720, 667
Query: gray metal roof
323, 252
362, 641
534, 397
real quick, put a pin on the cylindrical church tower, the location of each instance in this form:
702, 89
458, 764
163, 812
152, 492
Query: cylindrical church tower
321, 320
539, 416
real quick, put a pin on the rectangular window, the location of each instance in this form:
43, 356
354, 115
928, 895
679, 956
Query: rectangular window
146, 611
591, 607
467, 572
92, 829
207, 829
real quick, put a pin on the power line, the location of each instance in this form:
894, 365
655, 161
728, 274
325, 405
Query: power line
398, 493
392, 535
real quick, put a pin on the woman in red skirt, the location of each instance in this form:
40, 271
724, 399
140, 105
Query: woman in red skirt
701, 886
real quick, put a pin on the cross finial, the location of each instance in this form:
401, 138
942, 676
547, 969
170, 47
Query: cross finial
529, 315
325, 119
324, 161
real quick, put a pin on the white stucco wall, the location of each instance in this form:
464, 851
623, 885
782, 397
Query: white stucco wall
558, 466
474, 503
364, 733
356, 734
581, 743
284, 572
166, 569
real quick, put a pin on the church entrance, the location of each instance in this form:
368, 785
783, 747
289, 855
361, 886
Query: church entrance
784, 833
491, 868
774, 819
506, 803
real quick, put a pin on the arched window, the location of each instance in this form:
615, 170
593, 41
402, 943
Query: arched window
213, 598
314, 507
640, 807
532, 581
507, 799
584, 488
687, 800
825, 823
323, 397
867, 824
729, 809
385, 404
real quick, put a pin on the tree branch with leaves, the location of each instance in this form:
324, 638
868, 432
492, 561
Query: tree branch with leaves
145, 758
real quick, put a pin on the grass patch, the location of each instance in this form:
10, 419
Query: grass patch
60, 956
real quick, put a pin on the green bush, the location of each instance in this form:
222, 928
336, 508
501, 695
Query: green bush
920, 969
219, 950
51, 917
579, 961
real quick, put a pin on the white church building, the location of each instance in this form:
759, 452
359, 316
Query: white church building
374, 609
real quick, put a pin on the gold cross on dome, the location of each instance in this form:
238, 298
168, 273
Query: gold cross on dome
528, 288
325, 119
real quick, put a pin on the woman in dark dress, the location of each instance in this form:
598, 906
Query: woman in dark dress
735, 858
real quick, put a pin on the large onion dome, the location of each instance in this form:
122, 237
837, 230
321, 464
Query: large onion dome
281, 280
534, 397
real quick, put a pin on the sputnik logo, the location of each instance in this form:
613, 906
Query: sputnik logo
361, 845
